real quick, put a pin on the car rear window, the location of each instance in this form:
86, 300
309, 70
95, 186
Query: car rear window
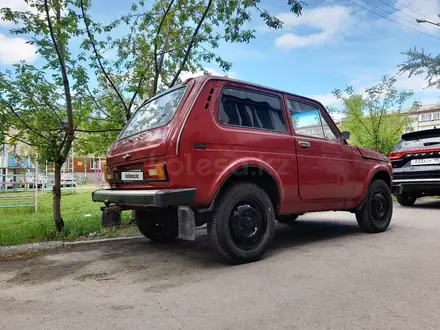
155, 113
419, 140
241, 107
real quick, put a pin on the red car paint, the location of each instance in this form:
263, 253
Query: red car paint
329, 175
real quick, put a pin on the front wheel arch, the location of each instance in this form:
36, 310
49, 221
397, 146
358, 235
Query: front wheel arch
375, 214
380, 174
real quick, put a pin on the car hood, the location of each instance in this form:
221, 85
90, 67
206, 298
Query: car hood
370, 154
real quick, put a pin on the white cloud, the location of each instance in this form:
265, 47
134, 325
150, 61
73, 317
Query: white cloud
14, 5
14, 50
326, 99
416, 83
423, 9
110, 54
185, 75
333, 22
20, 5
430, 100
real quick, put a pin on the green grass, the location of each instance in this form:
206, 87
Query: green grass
82, 219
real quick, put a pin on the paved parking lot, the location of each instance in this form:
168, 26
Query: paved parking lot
321, 273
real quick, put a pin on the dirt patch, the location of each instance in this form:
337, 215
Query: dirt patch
103, 276
121, 308
19, 256
44, 272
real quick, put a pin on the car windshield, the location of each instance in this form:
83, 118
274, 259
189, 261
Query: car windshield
155, 113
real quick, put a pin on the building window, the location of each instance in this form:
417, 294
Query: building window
244, 108
95, 164
426, 117
437, 116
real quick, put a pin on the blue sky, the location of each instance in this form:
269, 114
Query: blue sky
334, 43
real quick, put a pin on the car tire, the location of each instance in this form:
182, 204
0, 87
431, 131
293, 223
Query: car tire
288, 219
405, 199
157, 225
243, 223
377, 210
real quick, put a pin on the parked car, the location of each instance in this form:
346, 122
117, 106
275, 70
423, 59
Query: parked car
416, 166
30, 181
237, 156
68, 180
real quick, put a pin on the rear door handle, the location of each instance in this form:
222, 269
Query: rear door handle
304, 144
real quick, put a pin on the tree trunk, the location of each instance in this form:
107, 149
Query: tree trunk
59, 223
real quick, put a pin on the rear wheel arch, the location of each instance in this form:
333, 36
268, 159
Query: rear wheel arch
256, 174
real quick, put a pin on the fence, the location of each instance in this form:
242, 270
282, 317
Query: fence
19, 187
68, 180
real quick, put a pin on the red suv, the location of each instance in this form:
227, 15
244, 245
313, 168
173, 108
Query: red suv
236, 156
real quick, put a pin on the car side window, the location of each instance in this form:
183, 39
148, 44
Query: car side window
241, 107
307, 120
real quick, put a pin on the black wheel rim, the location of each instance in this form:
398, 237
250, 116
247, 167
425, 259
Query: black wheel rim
379, 207
247, 224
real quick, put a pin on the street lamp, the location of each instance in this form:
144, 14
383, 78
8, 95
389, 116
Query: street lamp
426, 21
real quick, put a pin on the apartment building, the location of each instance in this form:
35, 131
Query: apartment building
426, 117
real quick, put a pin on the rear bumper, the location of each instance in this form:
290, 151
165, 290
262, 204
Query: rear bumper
159, 198
416, 186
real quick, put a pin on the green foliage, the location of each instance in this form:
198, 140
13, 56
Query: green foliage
374, 117
420, 63
165, 39
49, 107
36, 105
82, 217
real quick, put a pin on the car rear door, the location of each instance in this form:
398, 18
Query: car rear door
325, 163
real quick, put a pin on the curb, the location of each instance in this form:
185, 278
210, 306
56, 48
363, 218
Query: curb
59, 244
104, 240
30, 247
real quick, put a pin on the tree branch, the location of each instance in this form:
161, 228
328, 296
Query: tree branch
191, 44
98, 58
14, 137
357, 117
52, 109
97, 104
69, 131
33, 130
143, 77
100, 130
136, 92
158, 66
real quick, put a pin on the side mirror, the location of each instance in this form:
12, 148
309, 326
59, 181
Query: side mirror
345, 135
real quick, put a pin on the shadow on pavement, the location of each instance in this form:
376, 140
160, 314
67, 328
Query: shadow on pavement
303, 232
300, 232
426, 204
147, 261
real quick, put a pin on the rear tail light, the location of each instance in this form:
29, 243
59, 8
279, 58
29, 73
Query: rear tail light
401, 154
108, 175
156, 172
396, 155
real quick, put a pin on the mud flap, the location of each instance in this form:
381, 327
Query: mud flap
111, 216
187, 223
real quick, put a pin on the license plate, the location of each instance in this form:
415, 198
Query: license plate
132, 176
425, 161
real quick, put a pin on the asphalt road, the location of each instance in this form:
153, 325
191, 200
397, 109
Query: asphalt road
321, 273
